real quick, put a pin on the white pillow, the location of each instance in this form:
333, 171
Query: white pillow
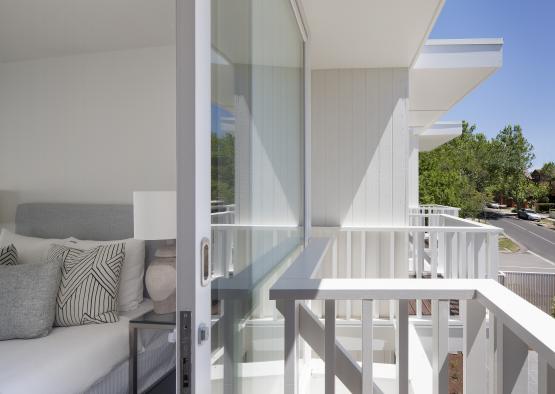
132, 271
30, 250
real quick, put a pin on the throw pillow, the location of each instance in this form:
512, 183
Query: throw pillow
8, 255
28, 299
89, 287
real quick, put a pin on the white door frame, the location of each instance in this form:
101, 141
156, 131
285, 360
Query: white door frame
193, 124
193, 97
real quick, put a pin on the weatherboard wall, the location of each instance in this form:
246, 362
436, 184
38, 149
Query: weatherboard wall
360, 147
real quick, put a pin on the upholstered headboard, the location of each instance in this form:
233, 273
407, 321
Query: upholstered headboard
99, 222
83, 221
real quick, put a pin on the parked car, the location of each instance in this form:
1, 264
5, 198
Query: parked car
493, 205
528, 214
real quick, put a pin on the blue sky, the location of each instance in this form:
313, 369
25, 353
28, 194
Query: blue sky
523, 90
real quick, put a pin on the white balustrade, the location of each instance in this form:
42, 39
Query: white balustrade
499, 327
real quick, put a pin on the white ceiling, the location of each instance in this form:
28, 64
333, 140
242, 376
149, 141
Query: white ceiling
445, 72
31, 29
438, 134
368, 33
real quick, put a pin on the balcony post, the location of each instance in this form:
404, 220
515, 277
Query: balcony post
474, 347
546, 377
493, 255
402, 347
367, 347
440, 338
291, 342
329, 348
513, 371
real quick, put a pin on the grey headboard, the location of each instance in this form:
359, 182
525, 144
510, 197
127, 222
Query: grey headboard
99, 222
83, 221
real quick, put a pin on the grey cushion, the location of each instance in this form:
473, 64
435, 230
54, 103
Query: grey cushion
90, 281
8, 255
28, 299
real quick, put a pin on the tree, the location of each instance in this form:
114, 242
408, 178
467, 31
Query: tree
513, 157
223, 168
455, 173
548, 171
470, 170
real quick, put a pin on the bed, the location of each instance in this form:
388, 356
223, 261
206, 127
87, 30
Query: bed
90, 358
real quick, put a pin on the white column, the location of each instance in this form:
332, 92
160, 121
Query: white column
546, 377
440, 339
402, 347
367, 348
291, 347
474, 347
329, 349
514, 368
493, 255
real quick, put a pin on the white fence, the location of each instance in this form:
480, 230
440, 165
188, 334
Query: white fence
434, 209
538, 288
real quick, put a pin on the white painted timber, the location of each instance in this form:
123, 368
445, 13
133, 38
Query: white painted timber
291, 346
367, 349
360, 147
402, 346
474, 347
445, 72
440, 345
515, 364
329, 349
546, 378
438, 134
368, 33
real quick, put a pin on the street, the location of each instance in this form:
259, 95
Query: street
537, 239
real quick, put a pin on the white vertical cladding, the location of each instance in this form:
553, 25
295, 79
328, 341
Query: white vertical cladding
360, 147
360, 161
413, 181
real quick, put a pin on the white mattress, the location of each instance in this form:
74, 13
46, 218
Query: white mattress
69, 360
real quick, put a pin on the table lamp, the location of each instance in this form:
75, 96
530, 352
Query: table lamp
155, 218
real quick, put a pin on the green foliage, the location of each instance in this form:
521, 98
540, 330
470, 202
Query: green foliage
513, 157
548, 171
544, 207
470, 170
223, 168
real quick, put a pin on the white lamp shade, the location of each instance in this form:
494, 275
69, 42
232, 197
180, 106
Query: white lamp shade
154, 215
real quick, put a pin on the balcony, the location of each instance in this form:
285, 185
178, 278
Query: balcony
359, 297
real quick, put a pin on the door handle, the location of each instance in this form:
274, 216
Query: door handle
205, 262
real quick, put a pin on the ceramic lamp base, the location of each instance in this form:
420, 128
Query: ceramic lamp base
160, 282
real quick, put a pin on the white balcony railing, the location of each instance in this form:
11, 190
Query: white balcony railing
434, 209
434, 246
499, 329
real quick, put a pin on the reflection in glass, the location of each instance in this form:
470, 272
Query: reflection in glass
257, 185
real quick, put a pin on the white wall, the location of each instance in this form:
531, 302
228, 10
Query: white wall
87, 128
360, 147
413, 171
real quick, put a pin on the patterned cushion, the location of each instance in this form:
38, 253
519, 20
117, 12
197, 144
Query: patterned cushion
90, 280
8, 255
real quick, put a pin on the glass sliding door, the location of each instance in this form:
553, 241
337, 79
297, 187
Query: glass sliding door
257, 185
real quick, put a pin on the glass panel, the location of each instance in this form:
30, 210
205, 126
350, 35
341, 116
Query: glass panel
257, 185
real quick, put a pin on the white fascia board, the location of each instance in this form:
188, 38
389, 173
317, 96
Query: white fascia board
437, 135
445, 72
461, 53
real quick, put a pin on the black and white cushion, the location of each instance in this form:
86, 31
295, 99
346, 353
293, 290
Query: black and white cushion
8, 255
90, 281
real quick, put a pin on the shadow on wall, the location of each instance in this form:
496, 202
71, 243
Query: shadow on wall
359, 146
8, 204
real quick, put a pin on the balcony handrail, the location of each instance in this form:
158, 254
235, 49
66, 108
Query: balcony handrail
514, 324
